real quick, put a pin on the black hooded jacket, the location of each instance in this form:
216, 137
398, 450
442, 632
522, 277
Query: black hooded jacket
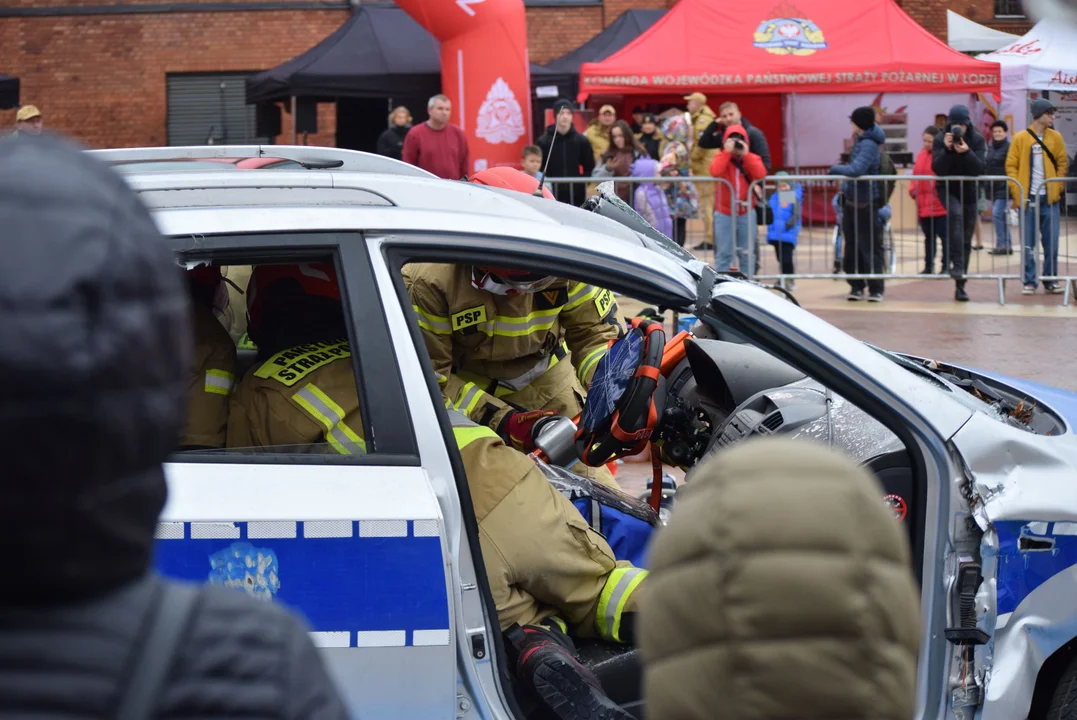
950, 163
570, 157
94, 351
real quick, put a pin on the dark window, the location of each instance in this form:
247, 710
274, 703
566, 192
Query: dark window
1009, 9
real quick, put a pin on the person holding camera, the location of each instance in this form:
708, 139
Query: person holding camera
959, 151
740, 167
860, 205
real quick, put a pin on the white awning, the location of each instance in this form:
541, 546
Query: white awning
968, 36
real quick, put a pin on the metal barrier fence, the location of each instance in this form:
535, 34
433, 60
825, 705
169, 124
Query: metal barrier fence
893, 245
1047, 254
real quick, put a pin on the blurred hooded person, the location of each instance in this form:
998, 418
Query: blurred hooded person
650, 200
95, 346
568, 154
959, 151
767, 521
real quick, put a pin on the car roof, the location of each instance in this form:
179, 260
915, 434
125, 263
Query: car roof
371, 193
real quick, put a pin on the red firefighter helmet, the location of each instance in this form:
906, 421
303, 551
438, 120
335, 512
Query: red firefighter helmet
316, 279
510, 179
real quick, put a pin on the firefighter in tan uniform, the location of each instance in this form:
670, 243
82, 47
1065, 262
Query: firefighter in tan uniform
549, 572
213, 368
499, 339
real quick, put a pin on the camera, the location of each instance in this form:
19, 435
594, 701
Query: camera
739, 145
957, 133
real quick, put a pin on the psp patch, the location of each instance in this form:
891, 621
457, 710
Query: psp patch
604, 302
469, 318
290, 366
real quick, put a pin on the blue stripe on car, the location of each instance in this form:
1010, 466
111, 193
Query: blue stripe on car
1022, 571
393, 581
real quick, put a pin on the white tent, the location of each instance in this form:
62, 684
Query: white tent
968, 36
1045, 58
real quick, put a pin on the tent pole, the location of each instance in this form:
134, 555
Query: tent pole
293, 121
793, 115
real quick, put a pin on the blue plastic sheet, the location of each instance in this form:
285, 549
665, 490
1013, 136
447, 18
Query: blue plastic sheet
611, 378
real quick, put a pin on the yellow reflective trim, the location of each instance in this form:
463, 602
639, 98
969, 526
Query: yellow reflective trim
331, 416
468, 398
579, 295
467, 435
219, 382
559, 622
588, 363
620, 585
290, 366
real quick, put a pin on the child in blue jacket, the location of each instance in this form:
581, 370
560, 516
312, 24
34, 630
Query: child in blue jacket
783, 232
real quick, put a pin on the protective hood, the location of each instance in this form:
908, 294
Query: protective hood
781, 588
94, 349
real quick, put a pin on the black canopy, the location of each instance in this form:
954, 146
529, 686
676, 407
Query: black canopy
626, 28
9, 92
379, 52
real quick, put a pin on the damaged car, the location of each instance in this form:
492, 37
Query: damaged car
379, 549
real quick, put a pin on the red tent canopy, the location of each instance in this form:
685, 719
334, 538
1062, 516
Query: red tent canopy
794, 46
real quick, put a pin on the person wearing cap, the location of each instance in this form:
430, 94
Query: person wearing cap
959, 151
637, 119
598, 131
566, 154
700, 159
28, 121
1038, 154
651, 138
863, 252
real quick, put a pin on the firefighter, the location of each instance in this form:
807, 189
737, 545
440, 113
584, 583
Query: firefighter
499, 337
213, 367
299, 394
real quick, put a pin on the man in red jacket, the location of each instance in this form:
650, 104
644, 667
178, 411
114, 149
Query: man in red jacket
436, 145
737, 165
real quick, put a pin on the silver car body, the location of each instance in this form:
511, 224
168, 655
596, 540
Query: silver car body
437, 660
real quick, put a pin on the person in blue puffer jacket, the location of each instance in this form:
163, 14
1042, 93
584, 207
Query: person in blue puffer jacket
863, 241
783, 231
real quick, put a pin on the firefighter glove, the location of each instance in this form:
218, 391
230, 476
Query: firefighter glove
517, 428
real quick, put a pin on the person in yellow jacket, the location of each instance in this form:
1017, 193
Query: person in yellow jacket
213, 368
550, 574
500, 339
1036, 155
700, 160
598, 130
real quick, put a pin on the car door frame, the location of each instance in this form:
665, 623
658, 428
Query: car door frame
928, 447
387, 425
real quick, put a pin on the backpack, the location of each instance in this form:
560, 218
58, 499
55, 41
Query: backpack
885, 187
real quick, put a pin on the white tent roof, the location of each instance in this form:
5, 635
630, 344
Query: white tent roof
968, 36
1044, 58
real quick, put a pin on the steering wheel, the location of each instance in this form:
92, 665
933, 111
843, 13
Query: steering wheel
626, 397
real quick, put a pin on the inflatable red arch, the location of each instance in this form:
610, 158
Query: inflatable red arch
484, 72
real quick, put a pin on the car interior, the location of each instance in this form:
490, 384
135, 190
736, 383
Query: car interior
721, 390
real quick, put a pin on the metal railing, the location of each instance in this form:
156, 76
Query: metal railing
894, 246
1048, 254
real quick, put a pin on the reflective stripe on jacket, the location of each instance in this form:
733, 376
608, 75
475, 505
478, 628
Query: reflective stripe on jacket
481, 342
542, 558
210, 383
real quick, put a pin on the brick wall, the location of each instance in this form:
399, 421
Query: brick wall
101, 78
552, 31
